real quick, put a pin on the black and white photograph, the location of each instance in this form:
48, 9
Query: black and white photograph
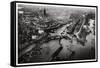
54, 33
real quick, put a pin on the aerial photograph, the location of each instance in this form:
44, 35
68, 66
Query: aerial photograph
55, 33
